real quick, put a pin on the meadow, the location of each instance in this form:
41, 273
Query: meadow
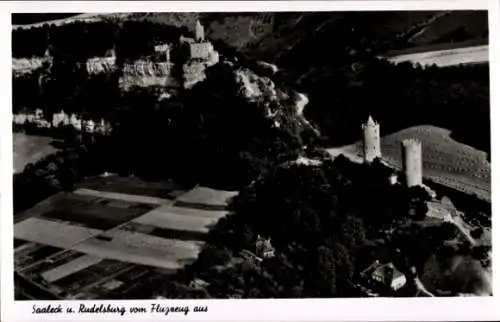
446, 57
30, 149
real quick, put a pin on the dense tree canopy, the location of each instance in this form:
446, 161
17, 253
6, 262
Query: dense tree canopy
322, 221
81, 40
399, 96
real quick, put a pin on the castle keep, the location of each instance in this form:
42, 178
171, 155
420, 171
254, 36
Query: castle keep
412, 161
371, 140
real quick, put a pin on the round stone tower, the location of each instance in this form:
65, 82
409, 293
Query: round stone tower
412, 161
371, 140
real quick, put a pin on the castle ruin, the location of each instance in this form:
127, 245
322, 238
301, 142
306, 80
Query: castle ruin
371, 140
198, 48
412, 161
199, 32
163, 52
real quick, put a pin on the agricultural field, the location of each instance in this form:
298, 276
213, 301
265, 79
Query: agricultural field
445, 57
132, 186
183, 219
30, 149
205, 196
89, 244
445, 160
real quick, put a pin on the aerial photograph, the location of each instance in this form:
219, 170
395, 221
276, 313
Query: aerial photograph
244, 155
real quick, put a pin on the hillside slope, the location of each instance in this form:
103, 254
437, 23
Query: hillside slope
273, 35
445, 160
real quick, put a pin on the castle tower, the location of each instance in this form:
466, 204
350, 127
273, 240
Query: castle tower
199, 32
412, 161
371, 140
163, 52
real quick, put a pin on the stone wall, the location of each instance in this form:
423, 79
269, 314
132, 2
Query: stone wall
99, 65
146, 73
200, 50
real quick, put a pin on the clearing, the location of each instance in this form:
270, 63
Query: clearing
30, 149
447, 57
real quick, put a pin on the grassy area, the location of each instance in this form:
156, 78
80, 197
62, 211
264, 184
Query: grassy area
131, 186
179, 219
30, 149
207, 196
436, 47
52, 233
449, 57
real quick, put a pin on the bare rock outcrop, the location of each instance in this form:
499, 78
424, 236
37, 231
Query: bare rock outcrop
22, 66
98, 65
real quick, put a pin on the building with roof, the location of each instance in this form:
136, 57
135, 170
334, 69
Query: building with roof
263, 248
198, 284
385, 274
200, 50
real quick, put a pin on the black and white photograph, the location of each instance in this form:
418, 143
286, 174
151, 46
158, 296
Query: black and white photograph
251, 155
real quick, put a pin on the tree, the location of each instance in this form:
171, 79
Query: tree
476, 233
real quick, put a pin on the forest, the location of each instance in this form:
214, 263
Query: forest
325, 222
399, 96
28, 18
79, 40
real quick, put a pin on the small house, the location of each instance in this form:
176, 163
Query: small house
263, 248
198, 284
386, 274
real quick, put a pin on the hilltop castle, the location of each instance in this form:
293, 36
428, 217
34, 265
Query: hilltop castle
198, 48
411, 152
193, 55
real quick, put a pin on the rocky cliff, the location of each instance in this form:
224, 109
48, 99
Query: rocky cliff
61, 119
99, 65
283, 106
21, 66
144, 73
